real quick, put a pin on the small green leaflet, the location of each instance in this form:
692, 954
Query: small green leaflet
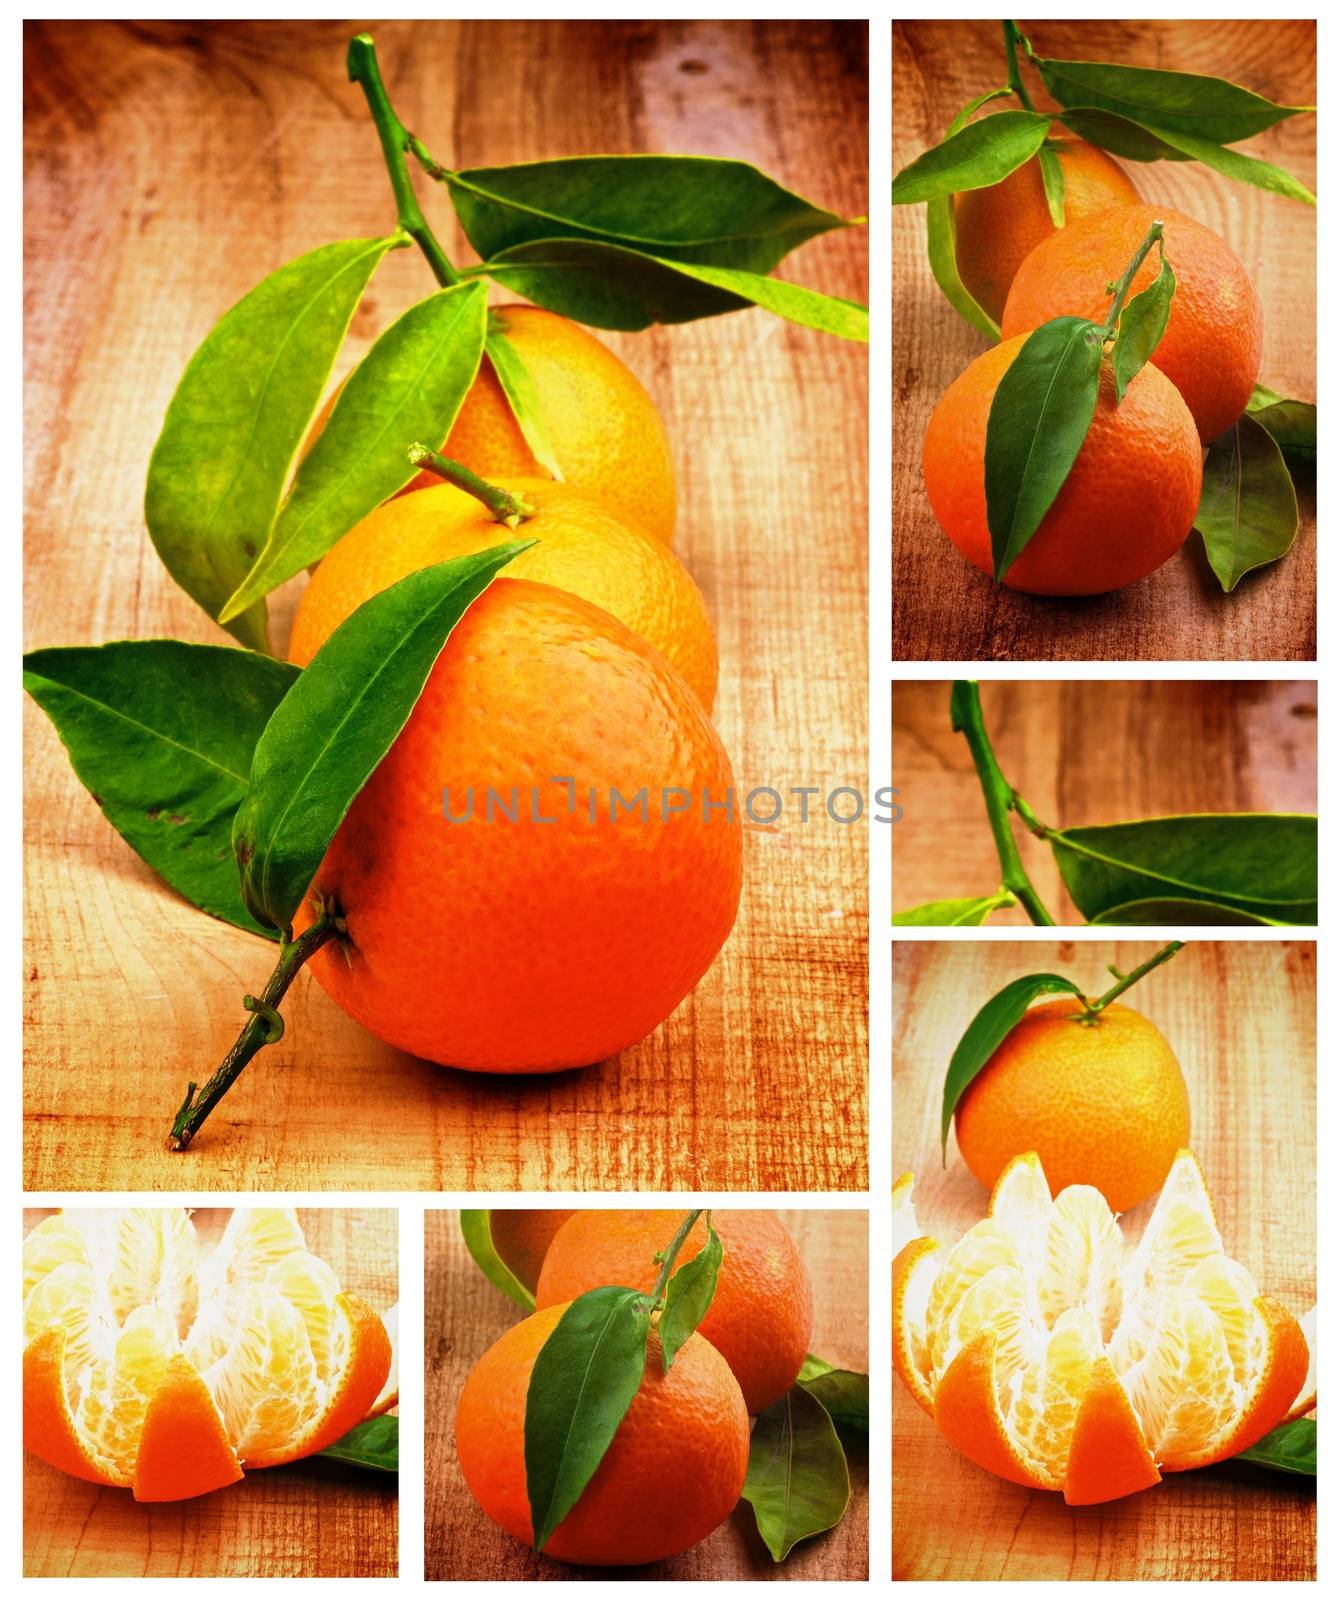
987, 1030
162, 734
1293, 423
1293, 1447
977, 156
845, 1398
518, 387
373, 1445
238, 416
688, 1296
1142, 324
339, 719
583, 1380
476, 1226
1038, 420
798, 1483
1247, 516
953, 913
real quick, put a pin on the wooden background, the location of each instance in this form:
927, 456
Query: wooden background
1081, 753
1240, 1017
465, 1315
311, 1519
944, 609
170, 166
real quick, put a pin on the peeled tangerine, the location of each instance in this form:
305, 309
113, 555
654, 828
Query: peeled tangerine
1053, 1352
152, 1367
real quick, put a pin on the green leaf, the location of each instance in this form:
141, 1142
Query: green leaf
813, 1367
1262, 864
476, 1226
1052, 181
1142, 323
1247, 513
374, 1445
941, 237
1188, 102
238, 417
797, 1483
688, 1296
975, 157
609, 286
1038, 420
1293, 423
1293, 1447
162, 733
988, 1029
408, 388
518, 386
583, 1380
1232, 164
341, 716
844, 1396
679, 208
953, 913
1118, 135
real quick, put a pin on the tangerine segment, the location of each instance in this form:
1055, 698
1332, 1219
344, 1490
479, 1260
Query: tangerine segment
1125, 508
184, 1449
1108, 1457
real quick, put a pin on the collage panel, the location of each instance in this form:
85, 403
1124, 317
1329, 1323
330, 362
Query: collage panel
562, 832
1104, 340
1104, 1275
730, 1443
1106, 801
170, 1354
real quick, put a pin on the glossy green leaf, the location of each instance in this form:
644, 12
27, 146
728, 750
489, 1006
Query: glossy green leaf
1117, 134
1232, 164
1142, 323
1038, 420
1293, 1448
408, 388
680, 208
476, 1226
1171, 913
162, 734
238, 416
953, 913
517, 385
373, 1445
339, 719
1247, 516
688, 1296
1263, 864
583, 1380
975, 157
1188, 102
1052, 181
609, 286
797, 1483
844, 1397
1293, 423
941, 238
987, 1030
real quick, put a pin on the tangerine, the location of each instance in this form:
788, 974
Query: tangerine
547, 859
582, 547
761, 1318
1214, 338
672, 1474
1127, 505
999, 226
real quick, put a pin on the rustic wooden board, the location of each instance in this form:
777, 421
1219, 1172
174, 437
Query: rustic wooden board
944, 610
313, 1519
1240, 1017
170, 165
465, 1315
1087, 752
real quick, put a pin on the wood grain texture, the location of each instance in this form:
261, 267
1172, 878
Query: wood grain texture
311, 1519
465, 1315
1240, 1017
1083, 753
944, 609
170, 165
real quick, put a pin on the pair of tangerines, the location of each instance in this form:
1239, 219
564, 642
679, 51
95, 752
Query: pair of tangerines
1130, 499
